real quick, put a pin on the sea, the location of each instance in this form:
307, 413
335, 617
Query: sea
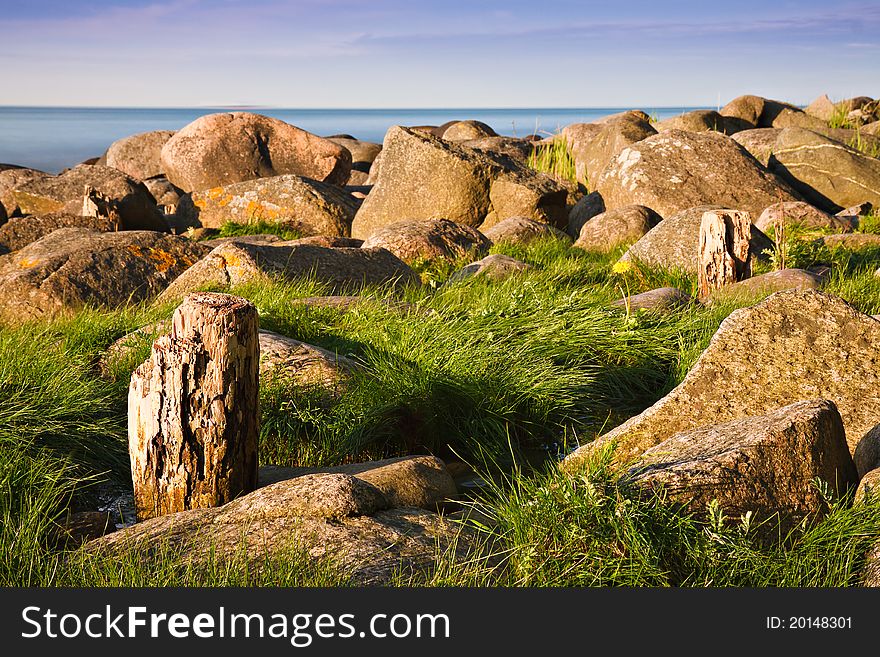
54, 138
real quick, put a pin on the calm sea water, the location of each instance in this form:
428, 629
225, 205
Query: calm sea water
52, 138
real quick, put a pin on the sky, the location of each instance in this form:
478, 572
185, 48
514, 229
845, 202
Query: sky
403, 53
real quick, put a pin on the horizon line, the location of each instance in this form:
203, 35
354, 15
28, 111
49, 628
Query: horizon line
350, 109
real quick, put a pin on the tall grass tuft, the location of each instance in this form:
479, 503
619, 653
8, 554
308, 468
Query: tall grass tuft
555, 157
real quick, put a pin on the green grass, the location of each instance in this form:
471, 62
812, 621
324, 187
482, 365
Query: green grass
555, 157
839, 117
487, 371
587, 530
258, 227
869, 147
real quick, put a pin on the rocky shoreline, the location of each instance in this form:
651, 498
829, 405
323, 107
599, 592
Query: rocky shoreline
783, 396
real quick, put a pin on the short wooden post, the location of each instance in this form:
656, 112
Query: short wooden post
724, 249
193, 408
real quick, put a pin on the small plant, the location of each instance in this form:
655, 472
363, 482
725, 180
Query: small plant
870, 147
839, 118
259, 227
555, 157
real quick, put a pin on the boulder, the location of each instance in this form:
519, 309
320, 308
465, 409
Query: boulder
166, 194
851, 241
331, 515
871, 571
868, 488
662, 299
676, 170
21, 231
357, 182
588, 207
764, 113
12, 178
363, 153
765, 464
332, 241
674, 243
625, 225
522, 230
822, 108
867, 452
235, 263
798, 213
793, 346
495, 267
696, 121
428, 240
516, 149
138, 156
595, 145
133, 204
284, 359
307, 206
221, 149
524, 193
467, 130
774, 281
871, 129
854, 213
259, 238
408, 481
828, 173
422, 177
72, 267
759, 142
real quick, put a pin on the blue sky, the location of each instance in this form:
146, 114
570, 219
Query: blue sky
396, 53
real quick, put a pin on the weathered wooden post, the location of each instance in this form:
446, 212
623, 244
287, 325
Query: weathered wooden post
193, 408
724, 249
96, 204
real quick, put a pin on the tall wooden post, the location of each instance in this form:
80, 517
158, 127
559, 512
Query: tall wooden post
724, 249
193, 408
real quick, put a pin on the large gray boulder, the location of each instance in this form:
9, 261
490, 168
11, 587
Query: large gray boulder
235, 263
676, 170
674, 243
135, 206
423, 177
594, 145
766, 465
826, 172
139, 155
308, 206
793, 346
428, 240
221, 149
72, 267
